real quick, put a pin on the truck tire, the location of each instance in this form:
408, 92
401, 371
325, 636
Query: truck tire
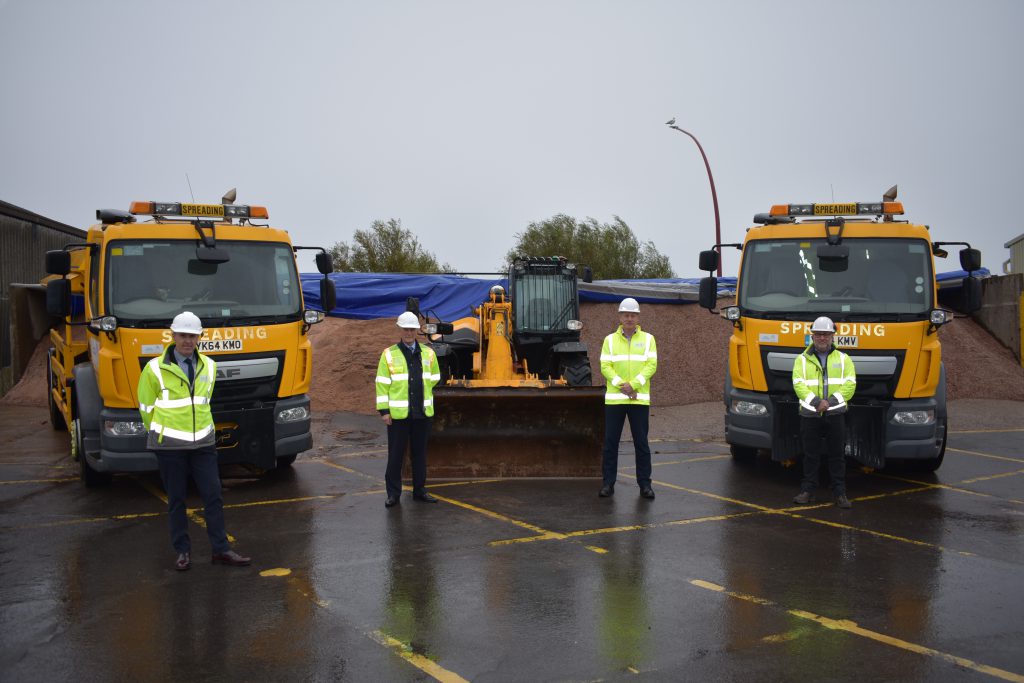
92, 478
742, 454
56, 417
931, 464
576, 371
284, 461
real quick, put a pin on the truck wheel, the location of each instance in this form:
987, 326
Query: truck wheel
932, 464
576, 372
91, 477
742, 453
286, 460
56, 417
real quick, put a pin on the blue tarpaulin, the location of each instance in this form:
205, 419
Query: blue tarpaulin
365, 296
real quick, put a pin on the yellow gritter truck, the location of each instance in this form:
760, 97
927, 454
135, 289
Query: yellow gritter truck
112, 299
874, 275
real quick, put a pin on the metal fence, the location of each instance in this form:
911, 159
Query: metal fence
25, 237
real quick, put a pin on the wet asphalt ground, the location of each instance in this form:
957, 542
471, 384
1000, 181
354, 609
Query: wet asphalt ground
719, 578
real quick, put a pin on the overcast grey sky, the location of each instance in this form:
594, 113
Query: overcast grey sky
469, 120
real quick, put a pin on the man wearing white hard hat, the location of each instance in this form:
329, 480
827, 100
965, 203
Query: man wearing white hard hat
174, 398
629, 358
824, 380
406, 375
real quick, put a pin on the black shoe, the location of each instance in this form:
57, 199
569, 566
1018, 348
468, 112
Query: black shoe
803, 498
647, 492
424, 497
391, 502
843, 502
606, 491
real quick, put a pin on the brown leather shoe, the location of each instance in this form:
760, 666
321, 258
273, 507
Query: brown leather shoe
231, 558
184, 562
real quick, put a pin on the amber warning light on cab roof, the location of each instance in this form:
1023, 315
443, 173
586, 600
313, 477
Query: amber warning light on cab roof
198, 210
851, 209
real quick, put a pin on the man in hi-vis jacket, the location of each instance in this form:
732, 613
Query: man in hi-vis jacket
824, 380
174, 399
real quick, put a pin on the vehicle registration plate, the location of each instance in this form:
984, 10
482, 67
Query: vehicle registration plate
220, 345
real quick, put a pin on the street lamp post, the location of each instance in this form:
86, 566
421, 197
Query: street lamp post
671, 123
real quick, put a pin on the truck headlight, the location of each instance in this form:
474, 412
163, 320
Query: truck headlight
107, 323
292, 414
748, 408
119, 428
731, 313
313, 317
937, 316
914, 417
574, 324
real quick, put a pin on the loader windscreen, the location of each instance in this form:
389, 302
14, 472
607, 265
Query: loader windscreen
544, 301
882, 277
151, 281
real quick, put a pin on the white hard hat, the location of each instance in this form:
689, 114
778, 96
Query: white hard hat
409, 321
187, 323
629, 305
824, 324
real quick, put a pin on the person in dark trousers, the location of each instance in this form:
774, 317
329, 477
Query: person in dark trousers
629, 358
406, 375
824, 380
174, 400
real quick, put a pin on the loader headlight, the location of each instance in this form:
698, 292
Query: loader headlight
118, 428
748, 408
107, 323
575, 324
914, 417
292, 415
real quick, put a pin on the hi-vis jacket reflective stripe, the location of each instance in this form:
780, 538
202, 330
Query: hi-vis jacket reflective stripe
634, 361
393, 381
809, 387
177, 416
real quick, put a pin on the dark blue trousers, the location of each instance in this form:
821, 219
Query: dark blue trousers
414, 434
614, 419
201, 464
824, 437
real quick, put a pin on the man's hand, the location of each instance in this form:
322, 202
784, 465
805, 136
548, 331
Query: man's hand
628, 390
387, 418
823, 406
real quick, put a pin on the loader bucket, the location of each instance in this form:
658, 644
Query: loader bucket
552, 431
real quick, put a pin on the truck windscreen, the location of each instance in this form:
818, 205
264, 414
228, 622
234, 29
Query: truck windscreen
154, 280
881, 276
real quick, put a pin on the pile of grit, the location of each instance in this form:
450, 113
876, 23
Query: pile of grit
692, 346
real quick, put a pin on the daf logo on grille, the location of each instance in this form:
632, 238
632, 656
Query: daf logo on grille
231, 370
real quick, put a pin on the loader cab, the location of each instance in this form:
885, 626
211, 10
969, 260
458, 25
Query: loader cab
545, 310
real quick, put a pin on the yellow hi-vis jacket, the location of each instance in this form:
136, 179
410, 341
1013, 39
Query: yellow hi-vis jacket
634, 361
809, 385
177, 416
393, 381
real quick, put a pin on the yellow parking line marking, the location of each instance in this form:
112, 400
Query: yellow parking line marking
596, 549
783, 637
91, 520
992, 476
280, 501
824, 522
700, 458
985, 455
422, 663
465, 483
336, 466
39, 481
501, 517
852, 628
947, 487
276, 571
191, 513
619, 529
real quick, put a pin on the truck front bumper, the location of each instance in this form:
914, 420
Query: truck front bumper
249, 435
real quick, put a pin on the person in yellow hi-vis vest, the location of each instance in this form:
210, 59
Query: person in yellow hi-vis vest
174, 399
406, 375
629, 358
824, 380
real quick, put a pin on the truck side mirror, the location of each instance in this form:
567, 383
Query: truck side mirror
212, 255
58, 262
328, 295
708, 296
709, 261
970, 259
324, 263
972, 292
58, 293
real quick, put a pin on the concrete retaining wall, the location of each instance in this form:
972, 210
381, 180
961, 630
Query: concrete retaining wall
1000, 311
